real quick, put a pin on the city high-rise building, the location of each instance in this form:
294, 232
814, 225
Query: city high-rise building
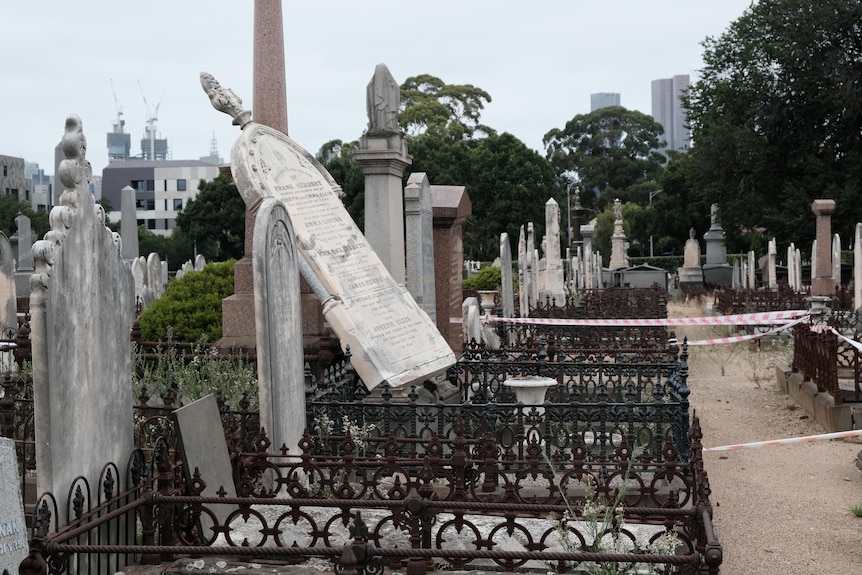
667, 110
604, 100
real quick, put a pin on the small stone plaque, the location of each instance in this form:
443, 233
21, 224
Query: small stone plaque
204, 447
13, 531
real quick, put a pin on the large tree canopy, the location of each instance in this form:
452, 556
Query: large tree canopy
611, 151
776, 118
429, 104
215, 220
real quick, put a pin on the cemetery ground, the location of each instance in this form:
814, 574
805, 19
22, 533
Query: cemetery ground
783, 509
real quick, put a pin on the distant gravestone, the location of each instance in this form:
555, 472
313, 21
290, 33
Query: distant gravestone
8, 293
389, 335
154, 275
25, 243
204, 449
619, 255
836, 259
13, 531
419, 227
139, 273
81, 311
523, 279
279, 331
771, 265
507, 294
200, 262
129, 223
532, 269
553, 276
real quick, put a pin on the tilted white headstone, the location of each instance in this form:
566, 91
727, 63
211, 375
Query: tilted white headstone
389, 335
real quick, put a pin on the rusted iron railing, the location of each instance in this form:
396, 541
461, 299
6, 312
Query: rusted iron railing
400, 512
815, 355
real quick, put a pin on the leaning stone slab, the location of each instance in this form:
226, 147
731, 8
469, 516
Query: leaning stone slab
391, 338
13, 531
204, 448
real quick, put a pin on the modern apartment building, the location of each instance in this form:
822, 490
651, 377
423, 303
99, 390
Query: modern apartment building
667, 110
162, 188
601, 100
13, 182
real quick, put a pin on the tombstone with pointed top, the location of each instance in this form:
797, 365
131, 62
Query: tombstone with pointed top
81, 311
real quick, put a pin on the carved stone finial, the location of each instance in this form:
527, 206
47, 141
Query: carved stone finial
224, 100
382, 102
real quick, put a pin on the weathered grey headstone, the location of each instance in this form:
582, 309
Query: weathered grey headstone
419, 222
389, 335
771, 268
25, 243
8, 293
139, 273
836, 259
507, 294
129, 223
154, 275
81, 307
553, 277
523, 278
278, 311
13, 531
204, 449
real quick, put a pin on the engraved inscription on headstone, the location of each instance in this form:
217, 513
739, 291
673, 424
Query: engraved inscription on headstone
13, 531
391, 338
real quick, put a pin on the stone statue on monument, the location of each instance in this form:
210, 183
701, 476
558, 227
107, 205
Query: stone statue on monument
382, 99
618, 210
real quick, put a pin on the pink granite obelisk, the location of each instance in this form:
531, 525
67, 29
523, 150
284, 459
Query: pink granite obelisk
269, 107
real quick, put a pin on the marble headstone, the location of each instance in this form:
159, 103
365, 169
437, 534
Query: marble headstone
204, 449
553, 277
14, 547
8, 293
82, 304
391, 338
507, 294
154, 275
279, 333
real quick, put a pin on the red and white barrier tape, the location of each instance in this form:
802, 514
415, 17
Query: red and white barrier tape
803, 439
746, 337
766, 318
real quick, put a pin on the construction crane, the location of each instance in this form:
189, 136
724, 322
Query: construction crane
120, 123
152, 118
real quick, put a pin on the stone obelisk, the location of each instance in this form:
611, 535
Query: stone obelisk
270, 108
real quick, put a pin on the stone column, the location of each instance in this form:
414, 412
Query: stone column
823, 284
419, 219
452, 207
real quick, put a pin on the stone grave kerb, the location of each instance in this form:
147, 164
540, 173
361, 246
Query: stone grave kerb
823, 284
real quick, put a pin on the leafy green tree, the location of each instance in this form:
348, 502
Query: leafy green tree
191, 306
429, 104
611, 151
337, 157
508, 184
175, 249
776, 116
9, 210
215, 220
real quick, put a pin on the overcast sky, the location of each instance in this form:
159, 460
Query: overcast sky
539, 61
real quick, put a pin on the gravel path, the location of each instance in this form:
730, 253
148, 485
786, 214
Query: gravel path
778, 510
